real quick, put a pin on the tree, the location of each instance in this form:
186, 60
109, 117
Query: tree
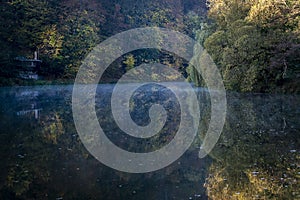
255, 43
129, 62
79, 26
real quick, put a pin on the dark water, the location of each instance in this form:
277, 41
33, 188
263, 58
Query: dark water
42, 157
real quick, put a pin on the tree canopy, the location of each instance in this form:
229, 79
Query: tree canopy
255, 43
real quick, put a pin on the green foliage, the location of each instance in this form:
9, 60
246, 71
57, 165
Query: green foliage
247, 163
64, 32
129, 62
255, 44
52, 42
215, 45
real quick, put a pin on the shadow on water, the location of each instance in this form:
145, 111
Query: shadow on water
42, 157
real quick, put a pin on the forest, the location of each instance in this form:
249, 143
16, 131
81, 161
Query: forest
254, 43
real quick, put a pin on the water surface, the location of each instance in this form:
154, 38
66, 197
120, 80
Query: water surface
42, 157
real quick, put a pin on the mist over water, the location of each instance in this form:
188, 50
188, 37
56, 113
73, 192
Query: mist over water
42, 156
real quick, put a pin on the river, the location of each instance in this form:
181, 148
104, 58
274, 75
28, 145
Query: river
42, 156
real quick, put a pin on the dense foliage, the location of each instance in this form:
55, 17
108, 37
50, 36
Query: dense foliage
255, 43
63, 32
256, 156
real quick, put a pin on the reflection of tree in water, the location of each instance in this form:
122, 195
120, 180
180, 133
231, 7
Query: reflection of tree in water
31, 146
256, 157
53, 128
44, 159
31, 152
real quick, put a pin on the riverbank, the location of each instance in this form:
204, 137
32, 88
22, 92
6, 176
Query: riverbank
30, 82
287, 88
10, 82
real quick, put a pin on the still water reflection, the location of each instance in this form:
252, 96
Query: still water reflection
257, 156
